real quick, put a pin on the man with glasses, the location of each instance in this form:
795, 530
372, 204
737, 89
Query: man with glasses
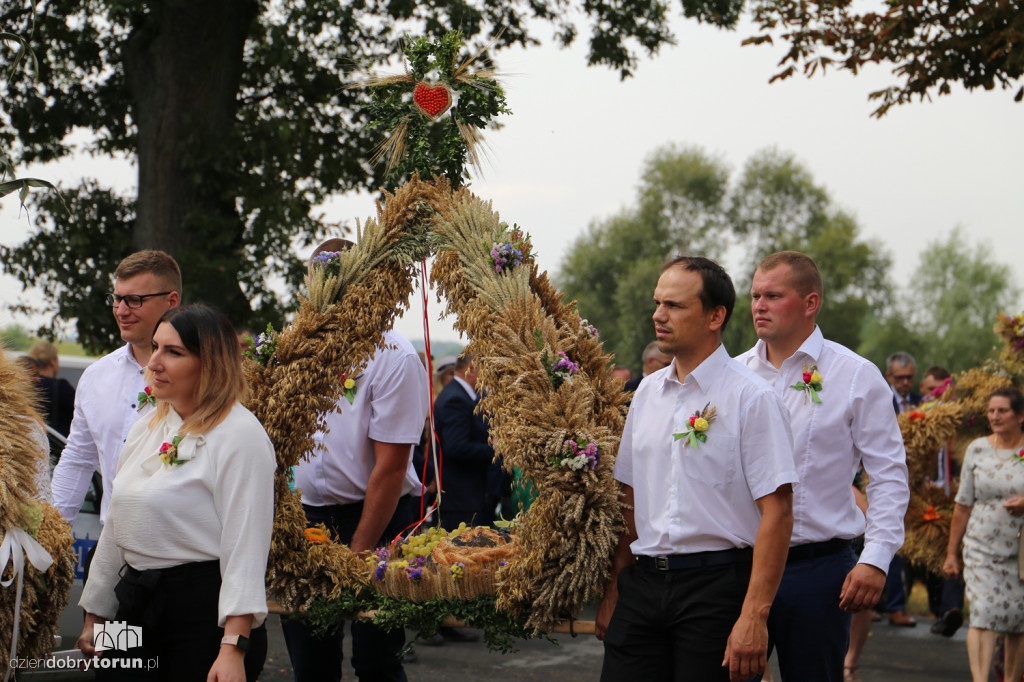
900, 371
107, 404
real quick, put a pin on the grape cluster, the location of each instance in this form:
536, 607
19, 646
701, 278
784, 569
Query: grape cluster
424, 543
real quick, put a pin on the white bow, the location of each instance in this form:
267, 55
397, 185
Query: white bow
16, 547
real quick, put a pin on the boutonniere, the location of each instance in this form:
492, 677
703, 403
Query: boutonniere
145, 398
1019, 457
169, 452
811, 383
348, 388
699, 424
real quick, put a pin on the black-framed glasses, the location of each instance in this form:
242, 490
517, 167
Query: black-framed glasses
133, 301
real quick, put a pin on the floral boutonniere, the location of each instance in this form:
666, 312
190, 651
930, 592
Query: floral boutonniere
811, 384
145, 398
348, 388
1019, 457
699, 424
169, 452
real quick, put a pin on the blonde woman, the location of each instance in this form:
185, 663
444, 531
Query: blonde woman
184, 549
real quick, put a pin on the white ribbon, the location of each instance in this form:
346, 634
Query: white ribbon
16, 547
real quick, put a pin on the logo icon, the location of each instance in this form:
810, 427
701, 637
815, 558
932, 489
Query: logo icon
116, 635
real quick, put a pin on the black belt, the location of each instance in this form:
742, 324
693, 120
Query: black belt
677, 562
816, 550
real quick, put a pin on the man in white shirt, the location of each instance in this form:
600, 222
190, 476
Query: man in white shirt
359, 481
706, 469
146, 285
841, 415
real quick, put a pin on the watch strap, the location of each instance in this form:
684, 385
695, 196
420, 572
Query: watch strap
239, 641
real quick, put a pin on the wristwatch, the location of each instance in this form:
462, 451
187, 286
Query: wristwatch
239, 641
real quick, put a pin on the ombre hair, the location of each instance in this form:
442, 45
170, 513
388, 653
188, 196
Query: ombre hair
208, 334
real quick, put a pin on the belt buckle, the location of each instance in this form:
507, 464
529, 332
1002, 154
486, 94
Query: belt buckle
661, 563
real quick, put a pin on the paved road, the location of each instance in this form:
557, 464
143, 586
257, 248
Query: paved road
892, 655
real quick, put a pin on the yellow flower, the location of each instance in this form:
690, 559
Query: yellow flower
350, 384
815, 377
700, 424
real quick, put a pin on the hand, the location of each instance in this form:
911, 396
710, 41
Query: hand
1015, 505
951, 568
861, 589
746, 652
229, 666
85, 640
605, 610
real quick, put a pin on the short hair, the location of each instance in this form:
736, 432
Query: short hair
716, 285
207, 333
43, 353
28, 364
1014, 394
805, 277
902, 359
157, 263
937, 372
649, 350
463, 361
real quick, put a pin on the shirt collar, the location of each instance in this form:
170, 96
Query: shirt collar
811, 347
705, 374
465, 385
126, 355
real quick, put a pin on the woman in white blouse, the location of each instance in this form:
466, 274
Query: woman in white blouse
179, 568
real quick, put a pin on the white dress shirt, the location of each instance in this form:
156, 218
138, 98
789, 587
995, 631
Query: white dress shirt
217, 505
390, 406
695, 499
854, 422
106, 407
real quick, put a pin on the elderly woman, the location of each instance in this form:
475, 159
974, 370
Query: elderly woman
987, 520
184, 549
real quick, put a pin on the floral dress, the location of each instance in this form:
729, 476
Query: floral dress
989, 477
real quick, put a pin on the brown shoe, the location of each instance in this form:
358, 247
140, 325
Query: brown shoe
901, 619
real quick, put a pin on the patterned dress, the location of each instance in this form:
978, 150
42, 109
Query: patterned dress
990, 477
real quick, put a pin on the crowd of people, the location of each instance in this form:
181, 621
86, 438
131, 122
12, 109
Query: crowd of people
746, 536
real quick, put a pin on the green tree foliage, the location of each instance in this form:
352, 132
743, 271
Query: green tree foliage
930, 44
946, 316
777, 206
686, 204
612, 267
237, 115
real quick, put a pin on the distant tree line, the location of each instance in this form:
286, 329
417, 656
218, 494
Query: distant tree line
689, 202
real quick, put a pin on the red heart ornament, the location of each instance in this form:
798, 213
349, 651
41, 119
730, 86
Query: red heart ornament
432, 100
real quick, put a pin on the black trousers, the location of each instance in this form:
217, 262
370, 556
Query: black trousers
176, 612
672, 626
318, 658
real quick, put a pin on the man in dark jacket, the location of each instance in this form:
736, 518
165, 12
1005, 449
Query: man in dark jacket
472, 483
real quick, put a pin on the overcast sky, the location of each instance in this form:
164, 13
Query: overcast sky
572, 151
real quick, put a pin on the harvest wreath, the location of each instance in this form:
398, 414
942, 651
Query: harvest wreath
516, 323
952, 419
26, 526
